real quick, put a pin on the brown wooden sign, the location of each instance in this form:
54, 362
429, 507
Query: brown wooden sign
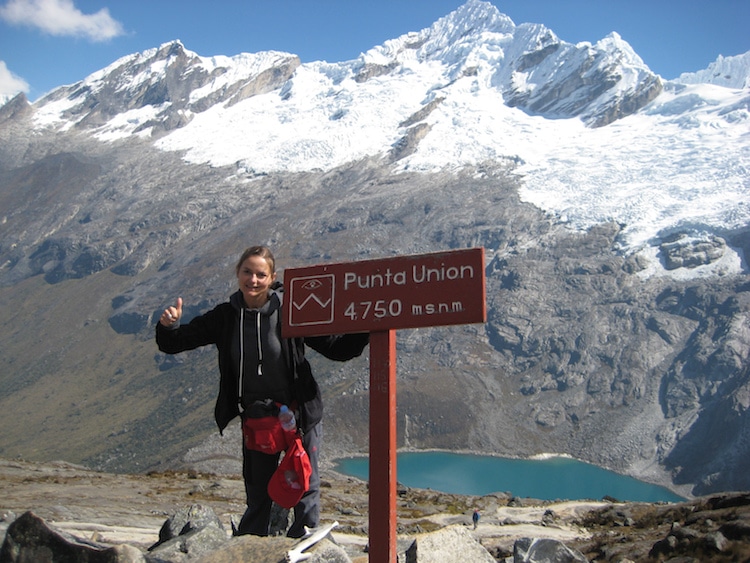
442, 288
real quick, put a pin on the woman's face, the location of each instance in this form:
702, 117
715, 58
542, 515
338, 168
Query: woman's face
255, 277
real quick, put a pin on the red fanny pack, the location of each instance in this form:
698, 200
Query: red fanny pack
264, 434
292, 477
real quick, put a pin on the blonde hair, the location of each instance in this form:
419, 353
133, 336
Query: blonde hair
262, 251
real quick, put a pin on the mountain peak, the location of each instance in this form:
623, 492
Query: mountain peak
450, 37
731, 72
14, 107
161, 89
614, 43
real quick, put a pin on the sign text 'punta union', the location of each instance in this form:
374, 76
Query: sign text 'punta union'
420, 273
435, 289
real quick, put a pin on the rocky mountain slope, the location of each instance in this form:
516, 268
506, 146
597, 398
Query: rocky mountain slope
112, 209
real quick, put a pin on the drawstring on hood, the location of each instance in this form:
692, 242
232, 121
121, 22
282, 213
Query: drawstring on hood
259, 344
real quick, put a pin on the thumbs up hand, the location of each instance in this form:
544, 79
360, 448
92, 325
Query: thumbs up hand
171, 315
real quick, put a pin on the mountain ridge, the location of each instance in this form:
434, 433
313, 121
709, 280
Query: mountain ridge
730, 72
447, 41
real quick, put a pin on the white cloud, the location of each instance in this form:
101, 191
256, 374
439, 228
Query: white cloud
61, 17
10, 84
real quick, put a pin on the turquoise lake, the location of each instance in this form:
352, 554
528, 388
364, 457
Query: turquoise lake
554, 478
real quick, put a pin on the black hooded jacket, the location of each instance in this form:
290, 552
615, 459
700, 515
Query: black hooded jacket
219, 327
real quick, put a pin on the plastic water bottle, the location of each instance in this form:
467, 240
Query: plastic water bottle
286, 417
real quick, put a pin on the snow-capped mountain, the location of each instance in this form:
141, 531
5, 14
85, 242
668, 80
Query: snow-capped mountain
613, 207
598, 135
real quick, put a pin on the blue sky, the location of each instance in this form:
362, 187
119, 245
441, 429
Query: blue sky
50, 43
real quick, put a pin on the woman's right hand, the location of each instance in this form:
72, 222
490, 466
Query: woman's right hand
171, 315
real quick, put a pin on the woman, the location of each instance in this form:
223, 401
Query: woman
260, 370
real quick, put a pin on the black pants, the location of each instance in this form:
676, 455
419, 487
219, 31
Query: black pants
257, 469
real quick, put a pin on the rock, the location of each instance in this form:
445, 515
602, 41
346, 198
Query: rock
29, 538
273, 550
684, 534
716, 542
128, 554
532, 550
549, 517
328, 552
191, 532
194, 517
128, 322
737, 530
616, 515
191, 545
453, 544
685, 252
663, 547
251, 548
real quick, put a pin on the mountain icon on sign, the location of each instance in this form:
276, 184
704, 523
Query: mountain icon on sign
312, 300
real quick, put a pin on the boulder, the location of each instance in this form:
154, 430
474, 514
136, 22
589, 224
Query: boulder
251, 548
189, 546
29, 538
272, 550
191, 532
192, 518
534, 550
453, 544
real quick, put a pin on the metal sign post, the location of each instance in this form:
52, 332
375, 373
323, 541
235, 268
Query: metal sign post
379, 296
